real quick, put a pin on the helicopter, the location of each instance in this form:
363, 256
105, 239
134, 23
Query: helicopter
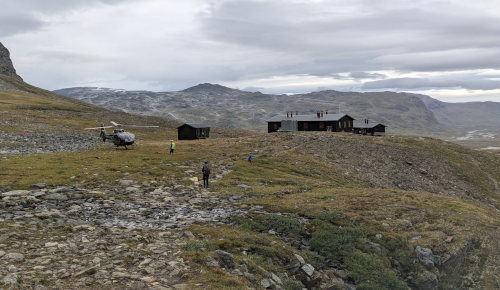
119, 137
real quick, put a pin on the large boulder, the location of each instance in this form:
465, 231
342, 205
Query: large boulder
425, 256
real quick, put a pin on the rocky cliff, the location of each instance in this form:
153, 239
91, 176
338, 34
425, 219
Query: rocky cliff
6, 66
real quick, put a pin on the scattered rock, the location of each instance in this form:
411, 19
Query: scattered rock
244, 186
300, 259
308, 269
226, 258
10, 279
211, 262
16, 257
38, 185
425, 256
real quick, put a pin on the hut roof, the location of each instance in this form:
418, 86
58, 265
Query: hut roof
363, 125
310, 117
196, 125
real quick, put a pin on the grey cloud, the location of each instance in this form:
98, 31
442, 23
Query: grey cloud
365, 75
22, 16
424, 83
11, 24
366, 39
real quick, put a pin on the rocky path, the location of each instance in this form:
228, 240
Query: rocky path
22, 142
74, 237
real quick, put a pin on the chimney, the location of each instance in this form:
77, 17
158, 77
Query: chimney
296, 113
287, 115
291, 114
318, 114
321, 114
326, 112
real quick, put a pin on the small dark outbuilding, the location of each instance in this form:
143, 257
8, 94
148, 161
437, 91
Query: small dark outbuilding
193, 131
367, 127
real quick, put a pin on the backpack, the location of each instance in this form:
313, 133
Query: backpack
206, 170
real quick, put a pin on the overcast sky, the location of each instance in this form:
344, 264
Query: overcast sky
447, 49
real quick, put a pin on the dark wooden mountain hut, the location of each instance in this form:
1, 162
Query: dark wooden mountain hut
367, 127
321, 121
193, 131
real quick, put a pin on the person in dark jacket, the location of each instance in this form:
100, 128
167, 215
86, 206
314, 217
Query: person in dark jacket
206, 173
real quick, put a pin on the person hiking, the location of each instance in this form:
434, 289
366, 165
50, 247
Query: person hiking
206, 173
250, 157
172, 146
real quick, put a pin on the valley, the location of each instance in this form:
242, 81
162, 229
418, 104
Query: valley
314, 210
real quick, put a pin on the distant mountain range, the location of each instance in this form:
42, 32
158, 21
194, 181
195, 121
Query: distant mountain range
403, 113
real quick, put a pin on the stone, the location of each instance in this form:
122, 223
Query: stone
265, 283
148, 279
55, 196
12, 268
39, 185
244, 186
249, 276
16, 193
276, 279
119, 275
188, 234
131, 189
449, 239
211, 262
2, 253
425, 256
378, 236
10, 279
300, 259
145, 262
16, 257
126, 182
226, 258
308, 269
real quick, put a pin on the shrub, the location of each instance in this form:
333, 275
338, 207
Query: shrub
195, 246
283, 225
332, 216
372, 272
291, 284
336, 242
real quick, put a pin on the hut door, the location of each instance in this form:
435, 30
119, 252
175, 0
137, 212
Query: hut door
329, 128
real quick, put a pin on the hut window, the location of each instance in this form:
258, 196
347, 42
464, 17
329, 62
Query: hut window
340, 124
321, 125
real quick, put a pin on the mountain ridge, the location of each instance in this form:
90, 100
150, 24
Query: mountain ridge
233, 108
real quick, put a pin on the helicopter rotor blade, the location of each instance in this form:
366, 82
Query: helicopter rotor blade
116, 124
138, 126
95, 128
